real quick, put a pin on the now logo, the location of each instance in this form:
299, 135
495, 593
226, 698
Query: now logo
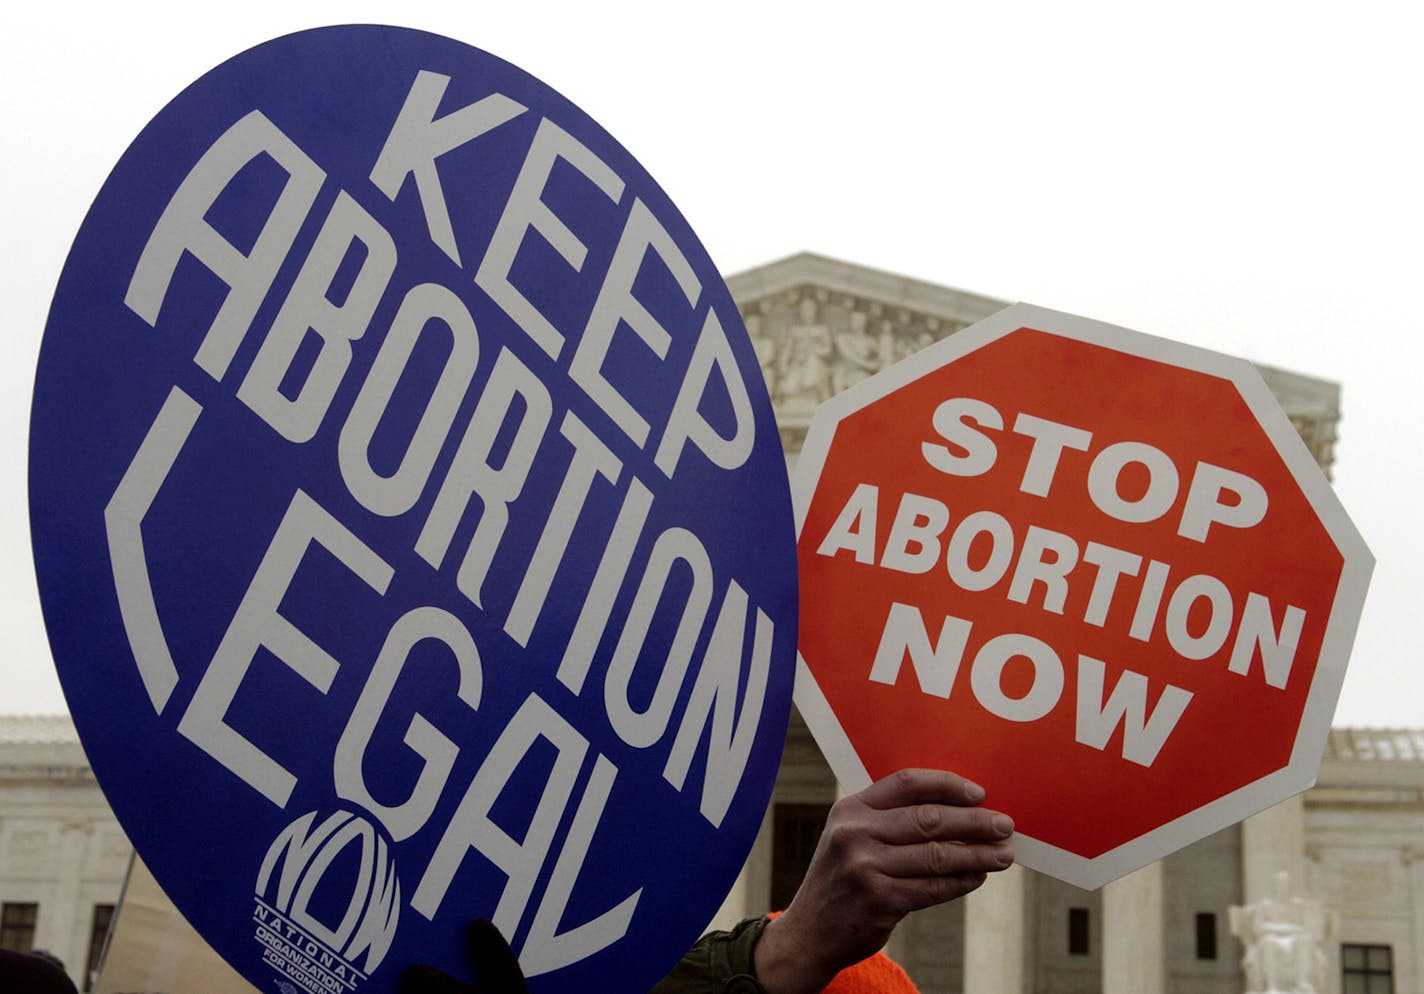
309, 864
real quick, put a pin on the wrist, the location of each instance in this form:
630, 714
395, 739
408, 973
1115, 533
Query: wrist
785, 959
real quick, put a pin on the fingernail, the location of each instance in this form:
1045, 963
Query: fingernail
973, 792
1004, 825
1005, 855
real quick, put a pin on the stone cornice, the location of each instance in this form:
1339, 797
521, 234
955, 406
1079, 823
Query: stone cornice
872, 285
820, 325
48, 774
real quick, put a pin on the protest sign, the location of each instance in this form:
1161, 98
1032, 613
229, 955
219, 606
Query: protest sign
394, 451
1094, 570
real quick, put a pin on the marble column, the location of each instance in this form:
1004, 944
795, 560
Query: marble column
1272, 841
749, 893
1133, 939
735, 905
994, 934
1414, 858
63, 923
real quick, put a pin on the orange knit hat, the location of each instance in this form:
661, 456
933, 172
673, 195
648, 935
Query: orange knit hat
878, 974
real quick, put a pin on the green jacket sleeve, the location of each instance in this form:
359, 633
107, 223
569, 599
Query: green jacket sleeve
720, 963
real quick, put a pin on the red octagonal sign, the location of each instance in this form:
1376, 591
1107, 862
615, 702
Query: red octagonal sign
1096, 571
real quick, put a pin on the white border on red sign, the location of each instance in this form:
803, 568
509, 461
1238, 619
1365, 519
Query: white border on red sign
1300, 772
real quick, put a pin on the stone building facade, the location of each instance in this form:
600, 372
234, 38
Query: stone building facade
62, 854
1356, 840
819, 326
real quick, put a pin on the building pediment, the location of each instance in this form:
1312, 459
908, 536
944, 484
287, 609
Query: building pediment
821, 325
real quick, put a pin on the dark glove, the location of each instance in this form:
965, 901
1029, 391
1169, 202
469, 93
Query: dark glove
494, 965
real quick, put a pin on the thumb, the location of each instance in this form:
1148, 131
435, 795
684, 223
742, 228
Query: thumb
496, 967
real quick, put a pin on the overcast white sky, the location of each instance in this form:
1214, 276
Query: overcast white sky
1245, 176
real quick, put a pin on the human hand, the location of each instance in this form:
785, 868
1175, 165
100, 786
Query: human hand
912, 840
493, 963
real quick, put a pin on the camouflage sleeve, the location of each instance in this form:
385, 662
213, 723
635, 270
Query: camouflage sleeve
720, 963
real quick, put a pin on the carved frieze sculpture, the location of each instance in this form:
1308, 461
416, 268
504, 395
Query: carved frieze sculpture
1284, 938
813, 344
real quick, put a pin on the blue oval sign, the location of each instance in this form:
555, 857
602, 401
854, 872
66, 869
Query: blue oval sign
411, 524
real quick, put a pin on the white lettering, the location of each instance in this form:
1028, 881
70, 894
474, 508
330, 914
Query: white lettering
986, 677
642, 728
612, 568
591, 458
473, 826
713, 706
1112, 564
919, 522
417, 139
405, 819
1143, 735
687, 423
616, 305
472, 474
1046, 557
1105, 478
1204, 505
183, 227
1149, 601
258, 624
308, 308
935, 665
395, 494
1179, 609
1258, 632
854, 527
961, 543
546, 949
123, 528
525, 211
1049, 440
974, 452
